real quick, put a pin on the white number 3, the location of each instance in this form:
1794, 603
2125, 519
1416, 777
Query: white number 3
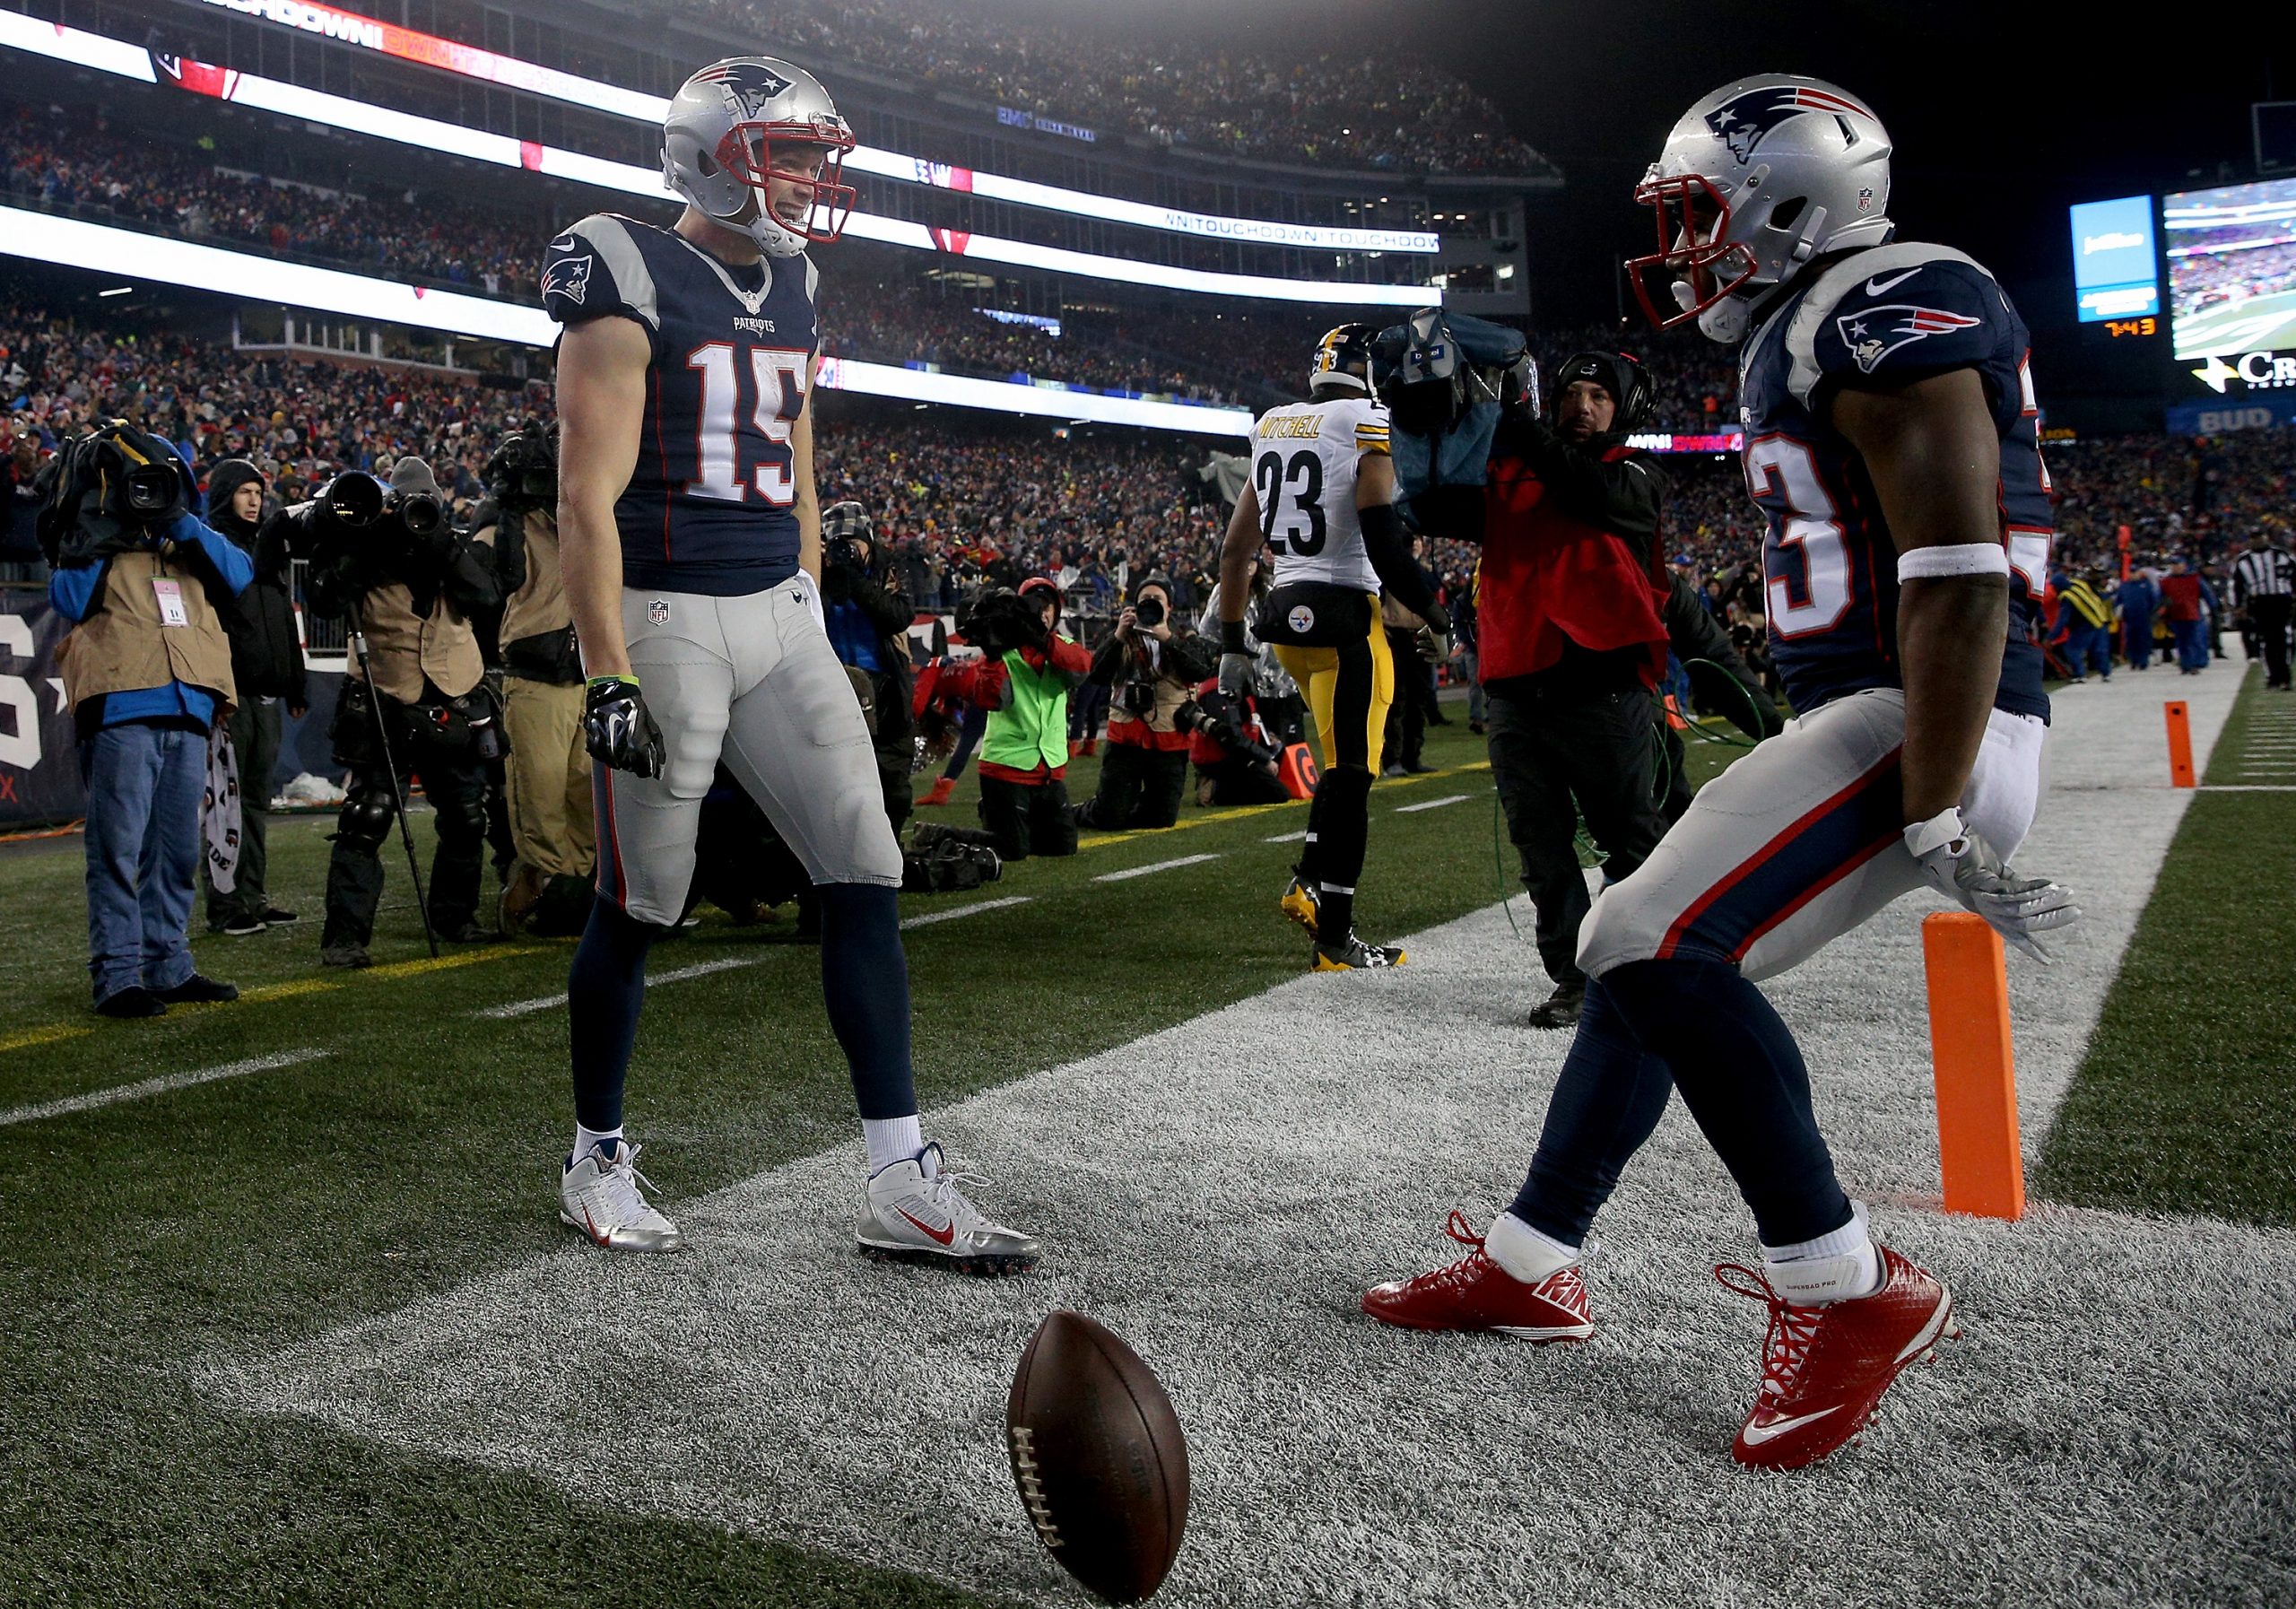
1786, 469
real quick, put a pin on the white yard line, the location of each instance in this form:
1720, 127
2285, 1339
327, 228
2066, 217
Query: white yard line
1432, 804
931, 917
1287, 837
1161, 865
156, 1086
1225, 1221
519, 1008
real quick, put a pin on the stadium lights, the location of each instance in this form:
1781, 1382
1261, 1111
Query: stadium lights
469, 61
75, 243
101, 54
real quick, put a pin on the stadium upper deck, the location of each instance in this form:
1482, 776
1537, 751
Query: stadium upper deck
1241, 204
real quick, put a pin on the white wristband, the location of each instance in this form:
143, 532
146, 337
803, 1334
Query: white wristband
1958, 559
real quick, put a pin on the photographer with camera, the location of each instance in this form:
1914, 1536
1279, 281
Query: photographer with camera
866, 609
147, 671
1151, 667
1023, 683
414, 702
546, 774
267, 670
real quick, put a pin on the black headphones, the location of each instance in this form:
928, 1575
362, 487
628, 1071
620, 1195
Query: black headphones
1620, 373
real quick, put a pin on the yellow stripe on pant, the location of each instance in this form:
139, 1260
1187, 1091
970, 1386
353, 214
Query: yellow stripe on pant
1348, 689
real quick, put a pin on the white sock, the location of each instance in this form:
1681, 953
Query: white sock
891, 1140
604, 1141
1526, 1253
1834, 1267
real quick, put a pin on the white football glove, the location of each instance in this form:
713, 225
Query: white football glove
1963, 867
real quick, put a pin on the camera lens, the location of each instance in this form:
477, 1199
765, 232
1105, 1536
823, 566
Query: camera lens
420, 513
150, 489
1149, 611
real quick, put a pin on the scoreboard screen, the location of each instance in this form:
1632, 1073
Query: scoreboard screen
2231, 268
2115, 274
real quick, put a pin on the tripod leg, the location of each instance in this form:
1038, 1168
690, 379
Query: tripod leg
399, 789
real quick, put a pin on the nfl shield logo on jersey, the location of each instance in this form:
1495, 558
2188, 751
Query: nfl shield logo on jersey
1301, 619
658, 611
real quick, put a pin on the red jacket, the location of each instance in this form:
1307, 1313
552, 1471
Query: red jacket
2181, 594
1550, 579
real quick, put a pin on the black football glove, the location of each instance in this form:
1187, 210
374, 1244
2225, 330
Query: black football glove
618, 730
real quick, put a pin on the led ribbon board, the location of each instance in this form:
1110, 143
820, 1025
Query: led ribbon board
408, 45
357, 116
77, 244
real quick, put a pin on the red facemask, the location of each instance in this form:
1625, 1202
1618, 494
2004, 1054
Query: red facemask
1693, 217
747, 153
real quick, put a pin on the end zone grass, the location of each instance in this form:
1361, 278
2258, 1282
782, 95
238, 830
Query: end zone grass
2187, 1099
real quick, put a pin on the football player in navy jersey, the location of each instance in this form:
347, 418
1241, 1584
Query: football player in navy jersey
1892, 440
690, 536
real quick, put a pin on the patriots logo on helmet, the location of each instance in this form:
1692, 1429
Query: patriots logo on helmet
1743, 123
569, 277
751, 84
1872, 333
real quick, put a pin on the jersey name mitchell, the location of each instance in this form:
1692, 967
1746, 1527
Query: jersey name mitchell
1303, 473
710, 507
1898, 313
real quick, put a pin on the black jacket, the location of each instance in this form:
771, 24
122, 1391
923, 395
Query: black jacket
266, 652
881, 595
446, 562
1696, 634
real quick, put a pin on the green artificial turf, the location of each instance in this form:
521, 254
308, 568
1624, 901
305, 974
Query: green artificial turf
214, 1222
2187, 1099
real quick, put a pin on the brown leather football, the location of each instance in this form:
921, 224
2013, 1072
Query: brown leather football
1098, 1458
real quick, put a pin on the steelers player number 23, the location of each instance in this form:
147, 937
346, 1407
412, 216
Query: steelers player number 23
778, 392
1301, 527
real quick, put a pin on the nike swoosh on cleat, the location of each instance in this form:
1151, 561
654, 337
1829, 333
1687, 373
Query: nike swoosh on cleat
1755, 1435
945, 1236
1877, 287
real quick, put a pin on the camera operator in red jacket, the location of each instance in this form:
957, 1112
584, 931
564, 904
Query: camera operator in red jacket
1573, 643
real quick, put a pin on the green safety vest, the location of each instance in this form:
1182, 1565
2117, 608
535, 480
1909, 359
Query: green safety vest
1033, 730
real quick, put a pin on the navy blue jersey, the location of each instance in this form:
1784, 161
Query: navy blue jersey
1894, 313
710, 507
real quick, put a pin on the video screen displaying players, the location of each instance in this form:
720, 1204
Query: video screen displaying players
2232, 268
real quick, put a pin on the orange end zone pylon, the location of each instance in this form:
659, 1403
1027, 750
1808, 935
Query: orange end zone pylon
2179, 743
1976, 1068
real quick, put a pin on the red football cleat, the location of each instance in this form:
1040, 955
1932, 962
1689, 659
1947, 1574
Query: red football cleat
1475, 1293
1824, 1368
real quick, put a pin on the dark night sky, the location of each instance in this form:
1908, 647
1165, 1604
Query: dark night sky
2001, 116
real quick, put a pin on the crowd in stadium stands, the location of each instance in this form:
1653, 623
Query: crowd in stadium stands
1386, 111
464, 246
961, 494
2226, 279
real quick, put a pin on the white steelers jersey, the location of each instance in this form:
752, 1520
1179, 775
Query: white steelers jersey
1303, 471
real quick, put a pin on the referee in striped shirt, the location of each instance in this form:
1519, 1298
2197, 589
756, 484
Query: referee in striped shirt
2262, 579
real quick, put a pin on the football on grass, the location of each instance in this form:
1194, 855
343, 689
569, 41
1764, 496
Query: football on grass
1097, 1456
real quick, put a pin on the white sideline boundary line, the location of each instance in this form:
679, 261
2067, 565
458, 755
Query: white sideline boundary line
156, 1086
519, 1008
1160, 865
931, 917
2247, 787
1431, 803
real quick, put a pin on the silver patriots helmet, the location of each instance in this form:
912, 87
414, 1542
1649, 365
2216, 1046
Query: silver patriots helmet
740, 122
1758, 179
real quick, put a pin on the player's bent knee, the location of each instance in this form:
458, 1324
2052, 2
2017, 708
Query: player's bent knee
1622, 926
